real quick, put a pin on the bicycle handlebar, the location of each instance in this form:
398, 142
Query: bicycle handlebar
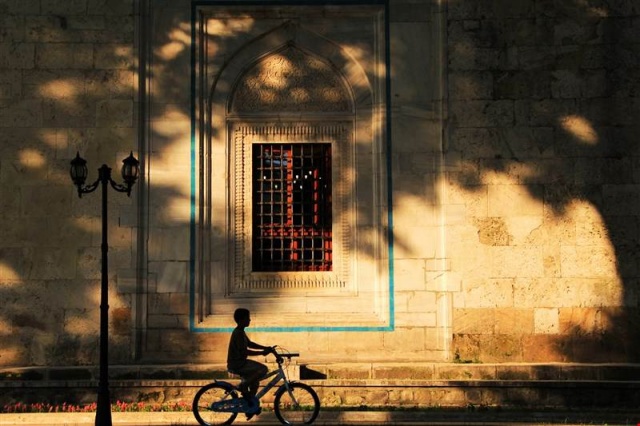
280, 356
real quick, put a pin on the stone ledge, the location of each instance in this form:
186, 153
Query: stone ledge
344, 371
329, 383
518, 394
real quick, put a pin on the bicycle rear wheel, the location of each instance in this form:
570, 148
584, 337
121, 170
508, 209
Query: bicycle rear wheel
203, 405
297, 406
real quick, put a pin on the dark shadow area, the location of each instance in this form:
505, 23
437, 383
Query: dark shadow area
307, 373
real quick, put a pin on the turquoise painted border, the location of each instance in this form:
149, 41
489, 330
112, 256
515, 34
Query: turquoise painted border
192, 226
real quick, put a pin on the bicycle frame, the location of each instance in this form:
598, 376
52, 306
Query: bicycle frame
279, 375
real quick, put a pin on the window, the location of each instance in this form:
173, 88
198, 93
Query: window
292, 207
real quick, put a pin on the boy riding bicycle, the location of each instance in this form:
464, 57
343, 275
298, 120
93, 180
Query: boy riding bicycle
240, 348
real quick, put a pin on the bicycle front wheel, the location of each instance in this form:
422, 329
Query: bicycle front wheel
208, 403
298, 405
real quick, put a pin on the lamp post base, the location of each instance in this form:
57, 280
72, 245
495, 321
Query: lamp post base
103, 409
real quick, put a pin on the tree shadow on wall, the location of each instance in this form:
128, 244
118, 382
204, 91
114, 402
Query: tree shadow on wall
74, 92
587, 112
76, 97
569, 72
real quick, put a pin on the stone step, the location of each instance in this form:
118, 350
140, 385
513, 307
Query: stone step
340, 371
357, 393
388, 385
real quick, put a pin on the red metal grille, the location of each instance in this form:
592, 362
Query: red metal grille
292, 207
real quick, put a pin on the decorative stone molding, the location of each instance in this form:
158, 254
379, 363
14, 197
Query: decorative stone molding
242, 279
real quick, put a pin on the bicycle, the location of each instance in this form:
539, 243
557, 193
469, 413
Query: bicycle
295, 403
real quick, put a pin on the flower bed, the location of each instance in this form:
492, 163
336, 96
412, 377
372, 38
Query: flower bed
117, 407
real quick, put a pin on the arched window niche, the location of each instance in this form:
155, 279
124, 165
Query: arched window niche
291, 173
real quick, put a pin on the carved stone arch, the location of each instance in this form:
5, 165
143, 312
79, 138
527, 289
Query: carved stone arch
279, 39
290, 80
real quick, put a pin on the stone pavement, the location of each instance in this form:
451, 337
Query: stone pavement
410, 418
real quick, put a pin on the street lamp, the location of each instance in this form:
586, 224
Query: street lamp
78, 171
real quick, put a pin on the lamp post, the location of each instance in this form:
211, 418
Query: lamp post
78, 171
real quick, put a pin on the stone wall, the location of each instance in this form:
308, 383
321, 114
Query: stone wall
514, 184
543, 103
67, 84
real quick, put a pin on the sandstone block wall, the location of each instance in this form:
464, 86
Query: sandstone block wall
541, 101
514, 184
67, 84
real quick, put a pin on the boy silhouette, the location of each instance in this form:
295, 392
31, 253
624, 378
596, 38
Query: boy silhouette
240, 348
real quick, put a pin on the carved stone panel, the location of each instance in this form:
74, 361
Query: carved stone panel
242, 278
290, 80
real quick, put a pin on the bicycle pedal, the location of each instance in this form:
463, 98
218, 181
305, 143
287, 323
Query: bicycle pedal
255, 410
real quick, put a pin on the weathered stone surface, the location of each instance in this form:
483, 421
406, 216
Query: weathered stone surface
484, 113
493, 232
514, 182
546, 321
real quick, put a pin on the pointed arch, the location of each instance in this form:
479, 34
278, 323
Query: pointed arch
290, 80
292, 36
